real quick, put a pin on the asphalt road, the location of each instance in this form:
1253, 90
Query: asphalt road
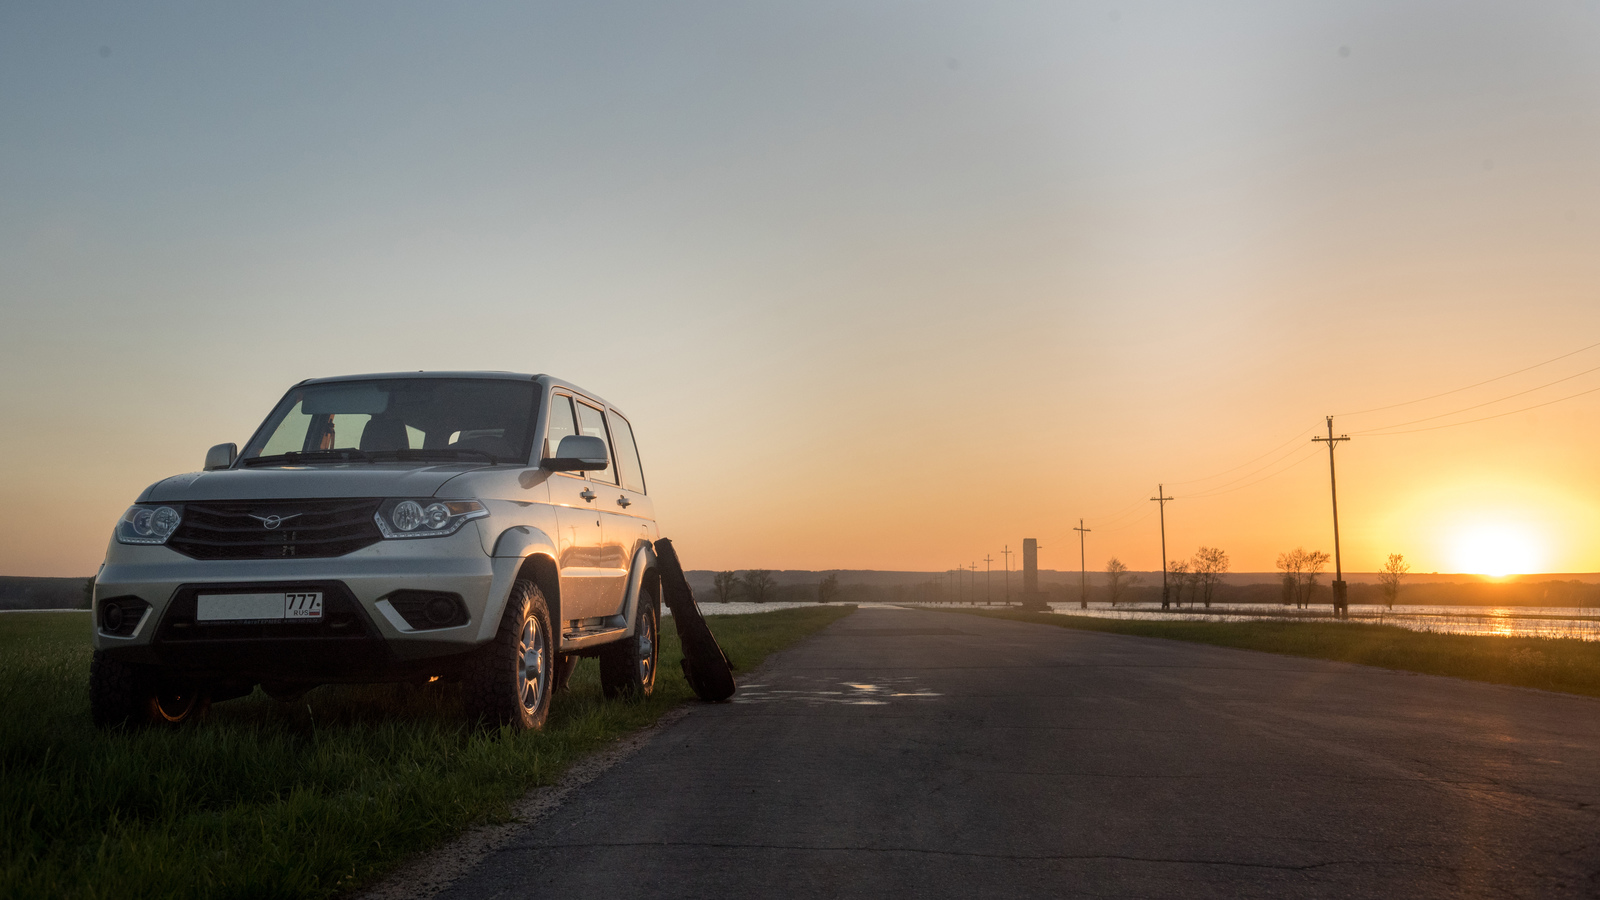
924, 754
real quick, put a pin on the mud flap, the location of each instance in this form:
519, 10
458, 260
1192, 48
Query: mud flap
704, 664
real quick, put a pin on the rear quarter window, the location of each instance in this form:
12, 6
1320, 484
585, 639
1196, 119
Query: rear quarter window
627, 453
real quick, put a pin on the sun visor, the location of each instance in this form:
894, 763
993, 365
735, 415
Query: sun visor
364, 399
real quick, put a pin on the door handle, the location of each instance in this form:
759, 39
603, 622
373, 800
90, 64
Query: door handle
624, 502
587, 495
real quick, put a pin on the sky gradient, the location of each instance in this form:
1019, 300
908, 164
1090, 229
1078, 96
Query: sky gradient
884, 285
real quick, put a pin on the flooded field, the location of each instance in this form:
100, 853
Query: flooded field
1519, 621
1514, 621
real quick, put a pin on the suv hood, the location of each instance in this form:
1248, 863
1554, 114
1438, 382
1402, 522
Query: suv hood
305, 482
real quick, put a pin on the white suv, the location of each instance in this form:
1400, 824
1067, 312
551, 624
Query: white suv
479, 526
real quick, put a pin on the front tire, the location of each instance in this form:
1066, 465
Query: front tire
123, 694
509, 680
628, 667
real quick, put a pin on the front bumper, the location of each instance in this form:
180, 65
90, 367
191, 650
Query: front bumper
360, 637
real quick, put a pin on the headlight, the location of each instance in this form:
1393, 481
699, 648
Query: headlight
426, 518
149, 524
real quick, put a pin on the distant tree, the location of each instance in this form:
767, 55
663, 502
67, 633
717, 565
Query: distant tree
1391, 574
1291, 564
1116, 580
758, 585
1300, 569
1210, 564
725, 584
88, 594
1311, 566
828, 589
1192, 585
1316, 560
1178, 575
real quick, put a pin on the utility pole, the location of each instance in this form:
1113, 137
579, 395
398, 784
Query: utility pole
1083, 568
1007, 554
1162, 499
1341, 601
973, 581
987, 560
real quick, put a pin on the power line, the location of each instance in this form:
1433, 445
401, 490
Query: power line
1137, 504
1470, 386
1299, 436
1480, 405
1294, 465
1220, 489
1139, 521
1129, 509
1484, 418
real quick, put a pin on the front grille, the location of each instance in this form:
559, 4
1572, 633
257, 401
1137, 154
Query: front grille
303, 529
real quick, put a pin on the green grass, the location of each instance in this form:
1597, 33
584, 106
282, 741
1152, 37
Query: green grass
263, 799
1552, 664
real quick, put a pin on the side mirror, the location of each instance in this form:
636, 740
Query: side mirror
578, 453
221, 456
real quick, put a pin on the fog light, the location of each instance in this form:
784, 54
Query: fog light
440, 611
111, 616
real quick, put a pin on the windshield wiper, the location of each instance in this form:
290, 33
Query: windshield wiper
295, 458
435, 454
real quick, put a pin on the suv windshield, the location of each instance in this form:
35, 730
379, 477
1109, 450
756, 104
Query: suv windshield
476, 420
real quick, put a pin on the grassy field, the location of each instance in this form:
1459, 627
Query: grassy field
1550, 664
264, 799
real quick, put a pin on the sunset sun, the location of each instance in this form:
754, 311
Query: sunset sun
1497, 550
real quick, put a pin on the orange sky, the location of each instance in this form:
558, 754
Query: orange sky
880, 287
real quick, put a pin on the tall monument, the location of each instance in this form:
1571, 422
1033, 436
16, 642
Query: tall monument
1030, 566
1031, 598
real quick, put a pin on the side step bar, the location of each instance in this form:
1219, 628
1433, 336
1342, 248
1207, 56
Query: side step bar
584, 637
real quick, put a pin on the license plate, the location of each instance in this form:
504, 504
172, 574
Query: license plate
273, 607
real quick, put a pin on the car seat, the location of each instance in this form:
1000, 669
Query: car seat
384, 433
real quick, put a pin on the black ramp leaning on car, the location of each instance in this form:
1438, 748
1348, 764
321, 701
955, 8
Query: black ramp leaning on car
704, 664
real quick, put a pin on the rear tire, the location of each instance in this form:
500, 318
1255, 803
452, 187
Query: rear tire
509, 680
628, 667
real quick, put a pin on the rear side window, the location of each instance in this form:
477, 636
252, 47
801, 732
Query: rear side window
592, 422
561, 423
627, 453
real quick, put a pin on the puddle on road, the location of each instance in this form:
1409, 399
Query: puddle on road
818, 691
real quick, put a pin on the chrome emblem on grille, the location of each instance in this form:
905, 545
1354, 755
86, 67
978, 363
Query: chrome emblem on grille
273, 521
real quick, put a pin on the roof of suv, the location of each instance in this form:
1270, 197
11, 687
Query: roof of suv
500, 376
505, 376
